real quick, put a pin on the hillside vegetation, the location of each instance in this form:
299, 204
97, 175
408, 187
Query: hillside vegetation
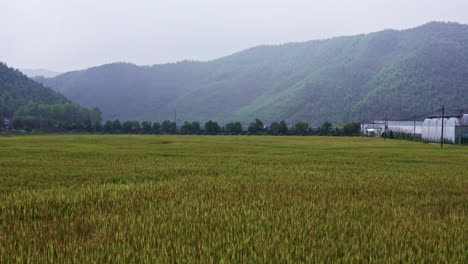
220, 199
30, 105
393, 73
17, 90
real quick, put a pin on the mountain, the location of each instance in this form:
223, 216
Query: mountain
17, 90
39, 72
391, 73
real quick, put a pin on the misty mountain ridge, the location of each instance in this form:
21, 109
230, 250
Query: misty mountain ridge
32, 73
393, 73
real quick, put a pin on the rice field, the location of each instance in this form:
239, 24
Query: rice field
231, 199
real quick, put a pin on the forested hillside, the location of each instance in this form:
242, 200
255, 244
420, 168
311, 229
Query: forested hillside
17, 90
393, 73
31, 105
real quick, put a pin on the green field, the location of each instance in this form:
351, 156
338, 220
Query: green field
232, 199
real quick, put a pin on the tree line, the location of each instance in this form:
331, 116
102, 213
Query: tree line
55, 116
67, 117
233, 128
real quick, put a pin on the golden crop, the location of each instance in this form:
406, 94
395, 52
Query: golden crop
231, 199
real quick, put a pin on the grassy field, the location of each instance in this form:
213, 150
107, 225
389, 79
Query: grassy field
231, 199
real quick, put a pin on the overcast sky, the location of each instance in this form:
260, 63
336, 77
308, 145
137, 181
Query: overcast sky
64, 35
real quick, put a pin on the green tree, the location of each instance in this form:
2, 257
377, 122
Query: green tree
234, 128
274, 128
190, 128
136, 126
26, 122
66, 115
301, 128
325, 129
195, 127
168, 127
127, 126
283, 128
156, 128
146, 127
352, 129
186, 128
116, 126
256, 127
95, 114
212, 127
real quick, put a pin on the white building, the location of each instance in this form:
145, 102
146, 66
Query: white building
408, 127
377, 128
455, 129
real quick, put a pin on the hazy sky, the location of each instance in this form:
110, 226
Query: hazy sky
65, 35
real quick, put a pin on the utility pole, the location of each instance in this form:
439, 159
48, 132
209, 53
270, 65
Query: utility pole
442, 132
414, 131
175, 120
361, 124
385, 128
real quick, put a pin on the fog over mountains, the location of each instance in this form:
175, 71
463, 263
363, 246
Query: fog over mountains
393, 73
40, 72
